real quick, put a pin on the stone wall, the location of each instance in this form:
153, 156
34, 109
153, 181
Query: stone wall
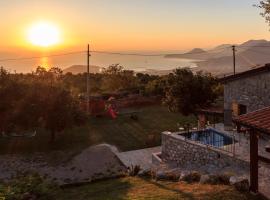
175, 149
252, 91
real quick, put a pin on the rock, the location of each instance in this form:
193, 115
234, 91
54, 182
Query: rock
218, 179
163, 174
242, 186
190, 177
146, 172
204, 179
233, 180
240, 183
160, 175
183, 174
172, 175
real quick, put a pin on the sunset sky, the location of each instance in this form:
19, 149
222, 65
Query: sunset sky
133, 24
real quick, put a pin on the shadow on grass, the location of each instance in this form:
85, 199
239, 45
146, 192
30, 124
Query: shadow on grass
116, 189
215, 193
182, 194
123, 132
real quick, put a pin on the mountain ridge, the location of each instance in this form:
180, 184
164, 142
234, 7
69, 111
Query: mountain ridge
218, 61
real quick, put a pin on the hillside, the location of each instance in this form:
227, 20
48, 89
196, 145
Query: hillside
218, 60
244, 61
77, 69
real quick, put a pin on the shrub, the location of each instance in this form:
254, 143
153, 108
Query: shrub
192, 177
219, 179
28, 186
134, 170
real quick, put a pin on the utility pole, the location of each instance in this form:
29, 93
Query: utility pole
87, 78
233, 48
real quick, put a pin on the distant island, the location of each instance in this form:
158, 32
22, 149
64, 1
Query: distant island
185, 55
77, 69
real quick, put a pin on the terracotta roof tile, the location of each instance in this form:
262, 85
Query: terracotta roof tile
259, 119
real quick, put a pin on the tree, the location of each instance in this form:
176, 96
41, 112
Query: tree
36, 100
265, 6
11, 92
186, 92
62, 112
56, 107
156, 86
115, 78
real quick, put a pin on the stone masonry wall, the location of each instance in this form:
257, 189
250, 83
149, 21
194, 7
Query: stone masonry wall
253, 92
186, 152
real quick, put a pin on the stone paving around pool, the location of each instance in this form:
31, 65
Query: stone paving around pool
141, 157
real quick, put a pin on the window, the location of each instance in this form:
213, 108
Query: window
238, 109
242, 109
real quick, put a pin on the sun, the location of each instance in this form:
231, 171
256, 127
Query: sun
43, 34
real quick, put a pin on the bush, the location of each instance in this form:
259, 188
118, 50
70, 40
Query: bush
26, 187
219, 179
192, 177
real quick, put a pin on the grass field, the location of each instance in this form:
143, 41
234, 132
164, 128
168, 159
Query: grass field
125, 133
142, 189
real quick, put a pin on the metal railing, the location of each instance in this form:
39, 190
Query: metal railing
212, 138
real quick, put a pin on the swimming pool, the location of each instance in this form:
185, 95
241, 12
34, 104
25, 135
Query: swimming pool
209, 137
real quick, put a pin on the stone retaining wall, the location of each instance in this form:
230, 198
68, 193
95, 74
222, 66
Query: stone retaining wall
186, 152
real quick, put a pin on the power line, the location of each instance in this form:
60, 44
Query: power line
130, 54
157, 55
234, 50
253, 46
87, 79
127, 54
111, 53
37, 57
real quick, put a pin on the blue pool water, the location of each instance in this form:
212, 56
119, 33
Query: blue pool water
210, 137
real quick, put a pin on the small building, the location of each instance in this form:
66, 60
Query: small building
246, 92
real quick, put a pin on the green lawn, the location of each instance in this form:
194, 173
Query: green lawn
125, 133
142, 189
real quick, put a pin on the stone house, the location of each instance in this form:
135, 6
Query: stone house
246, 92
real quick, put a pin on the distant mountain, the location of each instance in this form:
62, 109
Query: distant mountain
222, 46
245, 60
252, 43
218, 60
196, 50
77, 69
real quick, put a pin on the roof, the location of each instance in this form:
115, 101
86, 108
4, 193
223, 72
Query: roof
211, 111
259, 120
245, 74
